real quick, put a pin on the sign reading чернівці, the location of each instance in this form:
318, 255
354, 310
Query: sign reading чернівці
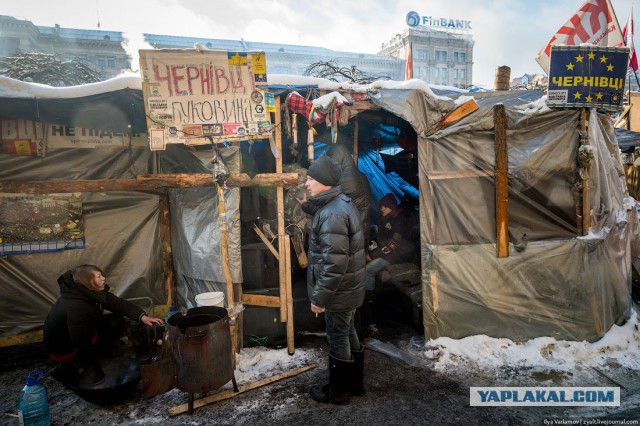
587, 76
204, 96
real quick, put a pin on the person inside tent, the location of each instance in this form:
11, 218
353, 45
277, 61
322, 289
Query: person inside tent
76, 332
391, 244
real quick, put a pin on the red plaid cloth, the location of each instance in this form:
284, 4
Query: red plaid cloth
300, 105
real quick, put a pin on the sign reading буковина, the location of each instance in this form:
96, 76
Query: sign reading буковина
587, 76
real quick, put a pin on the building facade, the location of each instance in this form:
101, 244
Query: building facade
290, 59
101, 51
439, 56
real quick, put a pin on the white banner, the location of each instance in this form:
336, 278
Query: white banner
594, 23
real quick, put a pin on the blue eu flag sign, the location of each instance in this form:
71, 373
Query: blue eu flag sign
587, 76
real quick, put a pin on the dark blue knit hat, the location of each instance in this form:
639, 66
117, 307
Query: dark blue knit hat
325, 170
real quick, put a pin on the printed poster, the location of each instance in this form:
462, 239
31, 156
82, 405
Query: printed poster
40, 223
21, 137
587, 76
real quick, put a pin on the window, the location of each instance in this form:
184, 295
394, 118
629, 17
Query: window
435, 73
102, 61
111, 62
455, 56
423, 72
443, 72
455, 71
422, 54
441, 55
461, 73
463, 57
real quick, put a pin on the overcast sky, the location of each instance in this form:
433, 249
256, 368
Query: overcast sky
506, 32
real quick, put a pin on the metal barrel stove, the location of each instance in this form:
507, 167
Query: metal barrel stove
201, 345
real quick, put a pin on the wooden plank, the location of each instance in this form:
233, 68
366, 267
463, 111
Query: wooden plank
459, 113
454, 174
502, 182
226, 394
289, 296
148, 183
266, 241
22, 339
261, 300
167, 256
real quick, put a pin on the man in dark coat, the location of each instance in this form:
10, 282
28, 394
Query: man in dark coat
354, 184
335, 279
71, 327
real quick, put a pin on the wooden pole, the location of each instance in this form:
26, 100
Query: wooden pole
289, 295
586, 211
356, 131
310, 142
282, 267
224, 241
148, 183
502, 182
167, 257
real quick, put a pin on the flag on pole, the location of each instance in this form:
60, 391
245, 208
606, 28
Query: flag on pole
594, 23
627, 34
408, 71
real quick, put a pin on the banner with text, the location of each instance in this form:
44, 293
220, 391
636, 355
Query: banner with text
60, 136
587, 76
200, 97
21, 137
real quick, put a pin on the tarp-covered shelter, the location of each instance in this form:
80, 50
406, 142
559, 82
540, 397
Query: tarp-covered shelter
555, 281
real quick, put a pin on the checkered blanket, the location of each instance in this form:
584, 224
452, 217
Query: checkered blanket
298, 104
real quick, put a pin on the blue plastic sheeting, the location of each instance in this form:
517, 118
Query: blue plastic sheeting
628, 140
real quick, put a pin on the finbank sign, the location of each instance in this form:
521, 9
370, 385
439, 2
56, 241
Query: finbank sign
414, 19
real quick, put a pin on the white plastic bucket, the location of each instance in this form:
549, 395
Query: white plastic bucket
213, 298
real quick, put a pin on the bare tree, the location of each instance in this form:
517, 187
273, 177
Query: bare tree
45, 68
334, 72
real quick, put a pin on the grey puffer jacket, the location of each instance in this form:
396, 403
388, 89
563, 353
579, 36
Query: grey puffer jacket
335, 275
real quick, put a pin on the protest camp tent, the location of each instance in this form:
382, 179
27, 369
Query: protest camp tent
555, 281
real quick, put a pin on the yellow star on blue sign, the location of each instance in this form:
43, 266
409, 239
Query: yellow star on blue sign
570, 66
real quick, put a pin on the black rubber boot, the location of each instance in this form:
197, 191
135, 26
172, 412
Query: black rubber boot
337, 390
357, 379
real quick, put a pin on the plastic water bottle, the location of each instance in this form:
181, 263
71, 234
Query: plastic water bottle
33, 404
172, 310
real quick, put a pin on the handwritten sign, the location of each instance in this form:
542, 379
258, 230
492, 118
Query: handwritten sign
201, 97
587, 76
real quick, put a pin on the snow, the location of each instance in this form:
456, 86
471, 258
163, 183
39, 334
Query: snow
11, 88
259, 362
621, 345
325, 100
535, 107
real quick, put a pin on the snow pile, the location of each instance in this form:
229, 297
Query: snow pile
259, 362
620, 345
10, 88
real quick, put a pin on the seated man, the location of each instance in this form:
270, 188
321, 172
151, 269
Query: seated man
391, 245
